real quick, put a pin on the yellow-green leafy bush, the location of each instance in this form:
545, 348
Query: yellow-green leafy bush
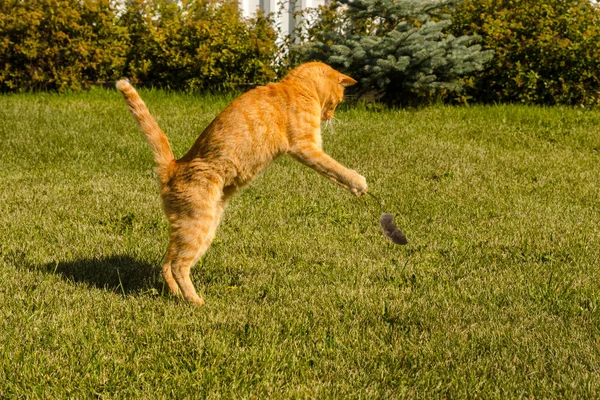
546, 51
58, 44
70, 44
197, 45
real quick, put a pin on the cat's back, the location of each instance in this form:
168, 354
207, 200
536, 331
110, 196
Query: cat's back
248, 133
273, 103
251, 112
271, 98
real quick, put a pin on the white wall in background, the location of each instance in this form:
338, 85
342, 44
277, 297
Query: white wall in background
283, 10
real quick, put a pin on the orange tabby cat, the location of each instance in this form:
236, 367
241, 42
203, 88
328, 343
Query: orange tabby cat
239, 143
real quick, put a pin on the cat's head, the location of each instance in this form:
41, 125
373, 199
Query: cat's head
328, 83
332, 91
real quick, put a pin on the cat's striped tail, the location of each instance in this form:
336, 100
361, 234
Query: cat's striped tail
163, 155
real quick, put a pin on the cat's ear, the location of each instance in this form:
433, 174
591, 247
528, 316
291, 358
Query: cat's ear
346, 81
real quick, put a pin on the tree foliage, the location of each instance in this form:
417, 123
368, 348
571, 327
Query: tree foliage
398, 49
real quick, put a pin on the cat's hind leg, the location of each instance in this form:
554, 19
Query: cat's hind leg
193, 224
168, 274
188, 247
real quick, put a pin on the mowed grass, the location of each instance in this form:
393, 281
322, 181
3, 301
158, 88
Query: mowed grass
497, 294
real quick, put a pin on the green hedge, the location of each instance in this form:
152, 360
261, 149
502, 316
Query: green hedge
70, 44
546, 51
198, 46
58, 44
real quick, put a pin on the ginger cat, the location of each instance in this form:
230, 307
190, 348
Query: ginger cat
238, 144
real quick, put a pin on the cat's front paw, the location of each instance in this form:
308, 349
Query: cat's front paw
359, 185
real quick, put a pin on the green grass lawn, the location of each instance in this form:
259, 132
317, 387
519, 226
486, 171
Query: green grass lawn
497, 294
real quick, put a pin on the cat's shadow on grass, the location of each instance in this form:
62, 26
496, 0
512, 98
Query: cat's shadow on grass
119, 273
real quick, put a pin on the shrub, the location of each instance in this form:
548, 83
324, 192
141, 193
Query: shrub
197, 45
546, 51
395, 48
192, 44
58, 44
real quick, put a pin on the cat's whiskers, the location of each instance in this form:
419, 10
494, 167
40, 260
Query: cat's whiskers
329, 125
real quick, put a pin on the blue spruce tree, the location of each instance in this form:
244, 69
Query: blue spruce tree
397, 49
